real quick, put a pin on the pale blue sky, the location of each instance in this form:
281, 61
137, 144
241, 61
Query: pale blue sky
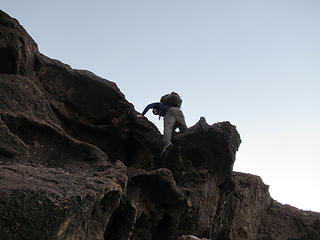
255, 63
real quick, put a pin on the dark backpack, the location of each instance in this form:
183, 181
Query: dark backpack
172, 99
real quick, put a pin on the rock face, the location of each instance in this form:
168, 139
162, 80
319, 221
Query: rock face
76, 163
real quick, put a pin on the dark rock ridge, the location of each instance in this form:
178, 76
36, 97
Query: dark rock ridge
76, 163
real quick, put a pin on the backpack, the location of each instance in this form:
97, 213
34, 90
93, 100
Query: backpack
172, 99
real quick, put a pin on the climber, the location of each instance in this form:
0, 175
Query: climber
173, 117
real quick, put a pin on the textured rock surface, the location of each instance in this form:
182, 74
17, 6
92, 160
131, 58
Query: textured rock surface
76, 163
190, 237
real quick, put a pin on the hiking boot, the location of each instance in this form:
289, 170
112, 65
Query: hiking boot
166, 148
203, 124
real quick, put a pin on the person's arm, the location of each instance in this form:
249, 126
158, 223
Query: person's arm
151, 105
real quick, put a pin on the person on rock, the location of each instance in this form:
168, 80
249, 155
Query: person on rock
169, 108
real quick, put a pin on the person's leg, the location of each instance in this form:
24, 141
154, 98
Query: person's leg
169, 124
182, 128
179, 116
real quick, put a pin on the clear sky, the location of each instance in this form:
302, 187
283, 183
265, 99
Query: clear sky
255, 63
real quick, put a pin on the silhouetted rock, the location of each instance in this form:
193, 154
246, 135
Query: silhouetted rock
76, 163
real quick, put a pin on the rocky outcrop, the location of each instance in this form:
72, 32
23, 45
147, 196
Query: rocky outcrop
76, 163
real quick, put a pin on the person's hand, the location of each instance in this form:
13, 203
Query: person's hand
139, 116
